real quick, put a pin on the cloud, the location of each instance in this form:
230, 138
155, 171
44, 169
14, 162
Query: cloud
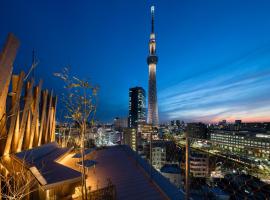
239, 90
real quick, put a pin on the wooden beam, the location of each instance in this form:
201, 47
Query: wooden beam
43, 117
7, 57
27, 103
26, 141
33, 136
53, 119
14, 111
48, 120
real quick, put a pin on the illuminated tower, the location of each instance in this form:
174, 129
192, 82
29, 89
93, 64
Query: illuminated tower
152, 116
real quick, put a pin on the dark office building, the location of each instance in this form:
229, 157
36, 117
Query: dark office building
173, 123
197, 130
137, 110
178, 123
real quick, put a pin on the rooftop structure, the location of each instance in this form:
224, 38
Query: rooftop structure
128, 173
52, 179
42, 161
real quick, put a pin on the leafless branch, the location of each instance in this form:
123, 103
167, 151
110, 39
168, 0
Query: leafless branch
80, 104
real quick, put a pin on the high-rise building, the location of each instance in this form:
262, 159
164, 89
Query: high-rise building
178, 123
152, 116
173, 123
136, 107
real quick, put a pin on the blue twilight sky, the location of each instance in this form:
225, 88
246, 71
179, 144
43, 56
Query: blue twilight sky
214, 56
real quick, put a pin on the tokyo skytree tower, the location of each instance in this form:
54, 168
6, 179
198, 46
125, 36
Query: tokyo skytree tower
152, 116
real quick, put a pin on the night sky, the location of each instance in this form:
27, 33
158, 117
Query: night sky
214, 55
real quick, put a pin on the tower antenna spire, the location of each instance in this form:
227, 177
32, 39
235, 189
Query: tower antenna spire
152, 13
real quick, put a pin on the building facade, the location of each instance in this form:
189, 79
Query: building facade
147, 130
107, 137
242, 142
199, 164
130, 138
152, 115
120, 123
137, 108
158, 156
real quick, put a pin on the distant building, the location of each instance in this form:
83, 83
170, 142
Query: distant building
238, 121
262, 127
245, 142
199, 164
197, 130
158, 155
222, 124
120, 123
173, 123
145, 131
238, 124
163, 152
172, 172
130, 138
106, 137
178, 123
137, 110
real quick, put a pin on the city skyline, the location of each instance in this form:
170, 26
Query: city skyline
213, 66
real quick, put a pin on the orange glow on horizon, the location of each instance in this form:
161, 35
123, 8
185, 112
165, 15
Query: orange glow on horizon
244, 119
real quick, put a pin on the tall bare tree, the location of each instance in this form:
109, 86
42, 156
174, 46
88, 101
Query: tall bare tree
80, 104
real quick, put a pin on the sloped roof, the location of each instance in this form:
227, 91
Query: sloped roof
42, 163
130, 176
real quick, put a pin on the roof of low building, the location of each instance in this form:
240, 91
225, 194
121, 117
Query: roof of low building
171, 169
42, 162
